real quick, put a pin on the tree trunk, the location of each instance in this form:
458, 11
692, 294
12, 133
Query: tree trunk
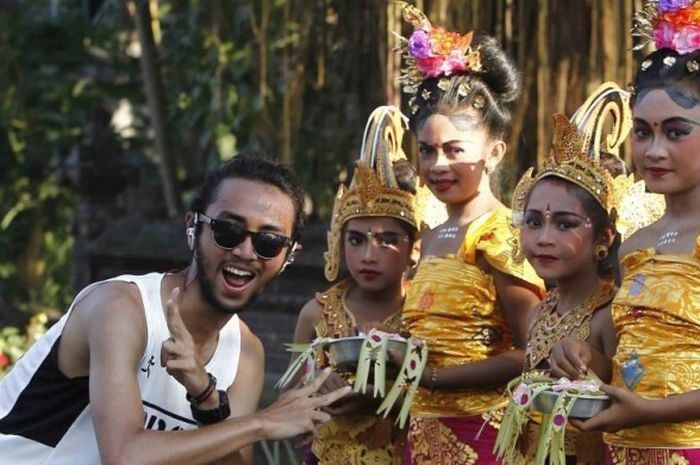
155, 96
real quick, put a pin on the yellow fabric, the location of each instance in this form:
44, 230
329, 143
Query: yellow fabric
353, 439
587, 447
657, 317
452, 304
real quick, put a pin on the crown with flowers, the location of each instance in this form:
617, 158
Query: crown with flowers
374, 190
576, 146
673, 24
431, 52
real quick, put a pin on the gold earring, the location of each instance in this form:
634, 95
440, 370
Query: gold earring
600, 252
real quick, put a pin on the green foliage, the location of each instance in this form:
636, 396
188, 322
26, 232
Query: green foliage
14, 343
276, 75
59, 70
205, 66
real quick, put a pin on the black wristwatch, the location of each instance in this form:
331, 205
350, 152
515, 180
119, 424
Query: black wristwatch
207, 417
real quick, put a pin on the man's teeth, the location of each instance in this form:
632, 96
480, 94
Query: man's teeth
237, 272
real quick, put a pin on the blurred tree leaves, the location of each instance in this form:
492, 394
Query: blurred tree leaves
294, 78
236, 74
56, 71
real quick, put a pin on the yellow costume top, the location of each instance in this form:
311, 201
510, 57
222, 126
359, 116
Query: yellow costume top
546, 329
452, 304
353, 439
657, 318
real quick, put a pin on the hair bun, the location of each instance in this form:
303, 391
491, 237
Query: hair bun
500, 74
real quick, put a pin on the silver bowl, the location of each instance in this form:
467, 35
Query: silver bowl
343, 353
584, 407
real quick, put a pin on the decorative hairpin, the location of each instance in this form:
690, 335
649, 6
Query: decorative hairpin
432, 51
673, 24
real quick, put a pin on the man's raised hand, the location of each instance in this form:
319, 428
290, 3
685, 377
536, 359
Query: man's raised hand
177, 353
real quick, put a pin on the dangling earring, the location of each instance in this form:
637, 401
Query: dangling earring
190, 237
289, 259
600, 252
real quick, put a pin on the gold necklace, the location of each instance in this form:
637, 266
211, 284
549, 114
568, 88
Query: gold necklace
337, 318
549, 327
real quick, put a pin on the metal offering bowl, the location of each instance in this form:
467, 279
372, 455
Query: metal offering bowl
344, 353
585, 406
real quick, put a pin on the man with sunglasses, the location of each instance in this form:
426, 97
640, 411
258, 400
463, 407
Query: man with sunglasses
158, 368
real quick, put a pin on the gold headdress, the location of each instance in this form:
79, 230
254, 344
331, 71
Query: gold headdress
576, 157
432, 51
575, 154
374, 190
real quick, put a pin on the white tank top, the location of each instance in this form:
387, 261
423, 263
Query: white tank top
45, 417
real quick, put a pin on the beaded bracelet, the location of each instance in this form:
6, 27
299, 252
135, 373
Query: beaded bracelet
204, 395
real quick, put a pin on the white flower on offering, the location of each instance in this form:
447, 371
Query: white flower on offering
565, 385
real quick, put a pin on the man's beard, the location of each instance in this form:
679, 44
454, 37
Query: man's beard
207, 289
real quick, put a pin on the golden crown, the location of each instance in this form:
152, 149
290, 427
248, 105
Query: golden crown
575, 154
374, 190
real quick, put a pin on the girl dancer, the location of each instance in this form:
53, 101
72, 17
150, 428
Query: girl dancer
373, 228
567, 217
468, 300
655, 412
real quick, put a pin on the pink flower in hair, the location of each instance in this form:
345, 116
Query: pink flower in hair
687, 39
664, 35
455, 62
431, 66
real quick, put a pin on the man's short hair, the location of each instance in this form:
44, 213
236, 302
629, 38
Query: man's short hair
254, 166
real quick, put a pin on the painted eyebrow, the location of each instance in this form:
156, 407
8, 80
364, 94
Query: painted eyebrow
230, 216
681, 119
672, 119
453, 141
354, 231
558, 213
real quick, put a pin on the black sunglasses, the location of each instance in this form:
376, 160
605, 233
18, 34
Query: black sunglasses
228, 234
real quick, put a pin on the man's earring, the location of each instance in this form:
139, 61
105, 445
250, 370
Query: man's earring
289, 259
600, 252
190, 237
